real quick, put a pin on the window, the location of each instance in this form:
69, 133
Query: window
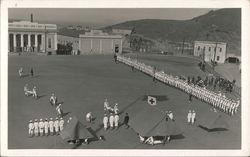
220, 49
215, 49
209, 49
198, 48
218, 58
49, 43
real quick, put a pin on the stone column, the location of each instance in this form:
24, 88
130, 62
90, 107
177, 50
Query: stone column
100, 45
29, 43
14, 42
91, 45
55, 42
121, 47
22, 42
43, 43
112, 45
36, 43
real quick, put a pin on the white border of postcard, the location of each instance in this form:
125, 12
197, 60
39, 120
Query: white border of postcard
243, 4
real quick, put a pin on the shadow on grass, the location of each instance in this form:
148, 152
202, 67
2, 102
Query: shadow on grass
177, 137
41, 96
131, 104
158, 97
213, 129
65, 114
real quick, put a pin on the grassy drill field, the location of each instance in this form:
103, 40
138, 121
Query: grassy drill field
83, 82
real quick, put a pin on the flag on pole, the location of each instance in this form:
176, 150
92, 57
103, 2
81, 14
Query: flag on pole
152, 100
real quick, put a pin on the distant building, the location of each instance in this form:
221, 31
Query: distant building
70, 27
64, 40
98, 42
121, 31
79, 28
181, 48
210, 51
26, 36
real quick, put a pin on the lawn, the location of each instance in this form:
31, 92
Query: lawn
83, 82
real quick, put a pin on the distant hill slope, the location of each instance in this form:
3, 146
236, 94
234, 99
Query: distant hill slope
221, 25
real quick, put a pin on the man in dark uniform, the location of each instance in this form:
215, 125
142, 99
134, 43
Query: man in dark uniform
31, 72
190, 97
115, 57
126, 120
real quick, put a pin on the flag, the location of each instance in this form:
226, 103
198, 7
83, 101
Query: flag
152, 100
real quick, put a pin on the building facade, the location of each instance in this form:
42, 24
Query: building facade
210, 51
26, 36
98, 42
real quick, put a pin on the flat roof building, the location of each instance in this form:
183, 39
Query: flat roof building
210, 51
26, 36
98, 42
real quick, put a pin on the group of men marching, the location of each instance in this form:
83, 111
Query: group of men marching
217, 100
46, 127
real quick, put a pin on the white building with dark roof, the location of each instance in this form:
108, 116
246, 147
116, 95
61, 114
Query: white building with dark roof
98, 42
26, 36
211, 51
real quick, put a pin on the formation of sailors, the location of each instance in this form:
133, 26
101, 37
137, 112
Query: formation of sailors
217, 100
46, 127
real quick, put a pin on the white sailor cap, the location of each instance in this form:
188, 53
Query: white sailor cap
41, 119
35, 120
193, 111
46, 119
30, 121
61, 118
189, 111
51, 118
56, 118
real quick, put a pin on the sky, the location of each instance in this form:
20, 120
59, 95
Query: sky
96, 17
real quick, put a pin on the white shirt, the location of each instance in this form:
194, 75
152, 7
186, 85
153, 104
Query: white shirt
61, 122
88, 115
116, 118
189, 115
51, 124
193, 115
171, 116
111, 119
31, 126
46, 125
105, 120
36, 125
41, 125
56, 123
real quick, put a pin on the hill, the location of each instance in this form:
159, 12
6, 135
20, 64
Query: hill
222, 25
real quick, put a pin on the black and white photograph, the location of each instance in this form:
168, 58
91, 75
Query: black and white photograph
125, 78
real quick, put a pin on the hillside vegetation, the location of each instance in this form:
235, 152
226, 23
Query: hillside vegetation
222, 25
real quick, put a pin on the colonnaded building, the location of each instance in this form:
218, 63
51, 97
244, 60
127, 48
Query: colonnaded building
29, 36
210, 51
98, 42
